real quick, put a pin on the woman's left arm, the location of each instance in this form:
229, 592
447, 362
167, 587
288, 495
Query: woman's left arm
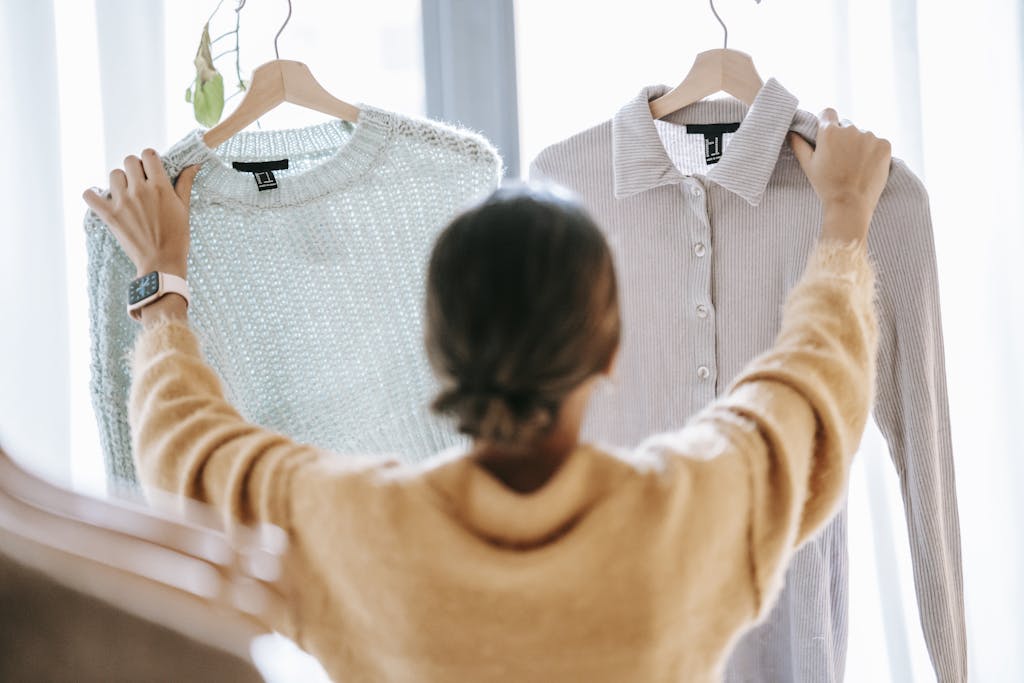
189, 440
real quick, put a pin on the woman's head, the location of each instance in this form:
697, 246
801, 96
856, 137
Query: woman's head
522, 308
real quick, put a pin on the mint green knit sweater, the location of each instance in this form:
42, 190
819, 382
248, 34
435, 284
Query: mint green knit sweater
307, 297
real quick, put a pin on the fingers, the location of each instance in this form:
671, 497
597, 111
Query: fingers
102, 206
828, 116
133, 170
153, 167
802, 149
884, 150
183, 186
118, 183
138, 173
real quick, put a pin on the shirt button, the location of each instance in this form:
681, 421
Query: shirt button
696, 191
702, 311
703, 372
699, 249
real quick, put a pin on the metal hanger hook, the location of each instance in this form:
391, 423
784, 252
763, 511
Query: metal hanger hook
276, 54
281, 30
725, 43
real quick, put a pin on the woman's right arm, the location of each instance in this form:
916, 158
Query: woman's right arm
769, 461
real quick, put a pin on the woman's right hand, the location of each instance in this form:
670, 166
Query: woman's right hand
848, 170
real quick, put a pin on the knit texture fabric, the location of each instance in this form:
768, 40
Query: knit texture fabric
634, 566
308, 296
705, 254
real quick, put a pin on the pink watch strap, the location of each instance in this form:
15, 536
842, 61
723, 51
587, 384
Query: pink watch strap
169, 284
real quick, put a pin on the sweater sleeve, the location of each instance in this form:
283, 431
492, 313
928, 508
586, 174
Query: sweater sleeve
773, 453
189, 440
111, 331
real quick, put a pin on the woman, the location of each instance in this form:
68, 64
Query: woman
531, 556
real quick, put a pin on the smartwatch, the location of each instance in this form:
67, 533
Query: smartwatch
152, 286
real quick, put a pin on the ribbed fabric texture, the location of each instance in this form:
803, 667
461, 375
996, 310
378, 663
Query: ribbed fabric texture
633, 566
308, 297
705, 255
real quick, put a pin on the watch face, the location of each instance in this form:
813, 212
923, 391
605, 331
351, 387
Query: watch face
143, 288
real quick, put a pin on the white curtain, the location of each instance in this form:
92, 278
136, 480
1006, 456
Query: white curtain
972, 95
34, 391
83, 87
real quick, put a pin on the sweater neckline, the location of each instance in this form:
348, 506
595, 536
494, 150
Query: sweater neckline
510, 518
351, 150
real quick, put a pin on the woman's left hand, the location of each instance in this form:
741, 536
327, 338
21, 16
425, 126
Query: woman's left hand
148, 216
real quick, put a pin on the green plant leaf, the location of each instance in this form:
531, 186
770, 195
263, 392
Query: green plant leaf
208, 102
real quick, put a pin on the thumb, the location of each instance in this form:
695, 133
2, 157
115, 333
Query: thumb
183, 185
802, 149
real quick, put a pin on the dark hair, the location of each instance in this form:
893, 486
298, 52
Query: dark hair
522, 307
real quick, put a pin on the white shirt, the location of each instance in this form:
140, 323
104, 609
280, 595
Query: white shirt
705, 255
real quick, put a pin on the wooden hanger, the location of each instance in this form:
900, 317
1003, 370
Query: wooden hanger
726, 70
277, 81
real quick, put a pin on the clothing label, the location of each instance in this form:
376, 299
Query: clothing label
262, 171
712, 133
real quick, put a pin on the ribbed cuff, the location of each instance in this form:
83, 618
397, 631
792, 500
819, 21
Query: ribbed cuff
165, 335
843, 260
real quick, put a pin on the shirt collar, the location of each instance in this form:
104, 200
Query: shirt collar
641, 162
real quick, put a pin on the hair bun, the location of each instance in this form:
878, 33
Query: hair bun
497, 414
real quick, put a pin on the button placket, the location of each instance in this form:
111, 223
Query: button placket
700, 286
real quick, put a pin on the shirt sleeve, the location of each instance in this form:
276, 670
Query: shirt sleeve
912, 412
187, 439
772, 455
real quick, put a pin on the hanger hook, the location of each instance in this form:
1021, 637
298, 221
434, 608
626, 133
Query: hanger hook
277, 55
725, 44
281, 30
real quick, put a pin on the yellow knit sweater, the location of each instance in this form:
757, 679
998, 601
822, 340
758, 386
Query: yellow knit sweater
640, 566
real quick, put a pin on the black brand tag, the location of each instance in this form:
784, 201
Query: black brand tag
262, 171
712, 133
